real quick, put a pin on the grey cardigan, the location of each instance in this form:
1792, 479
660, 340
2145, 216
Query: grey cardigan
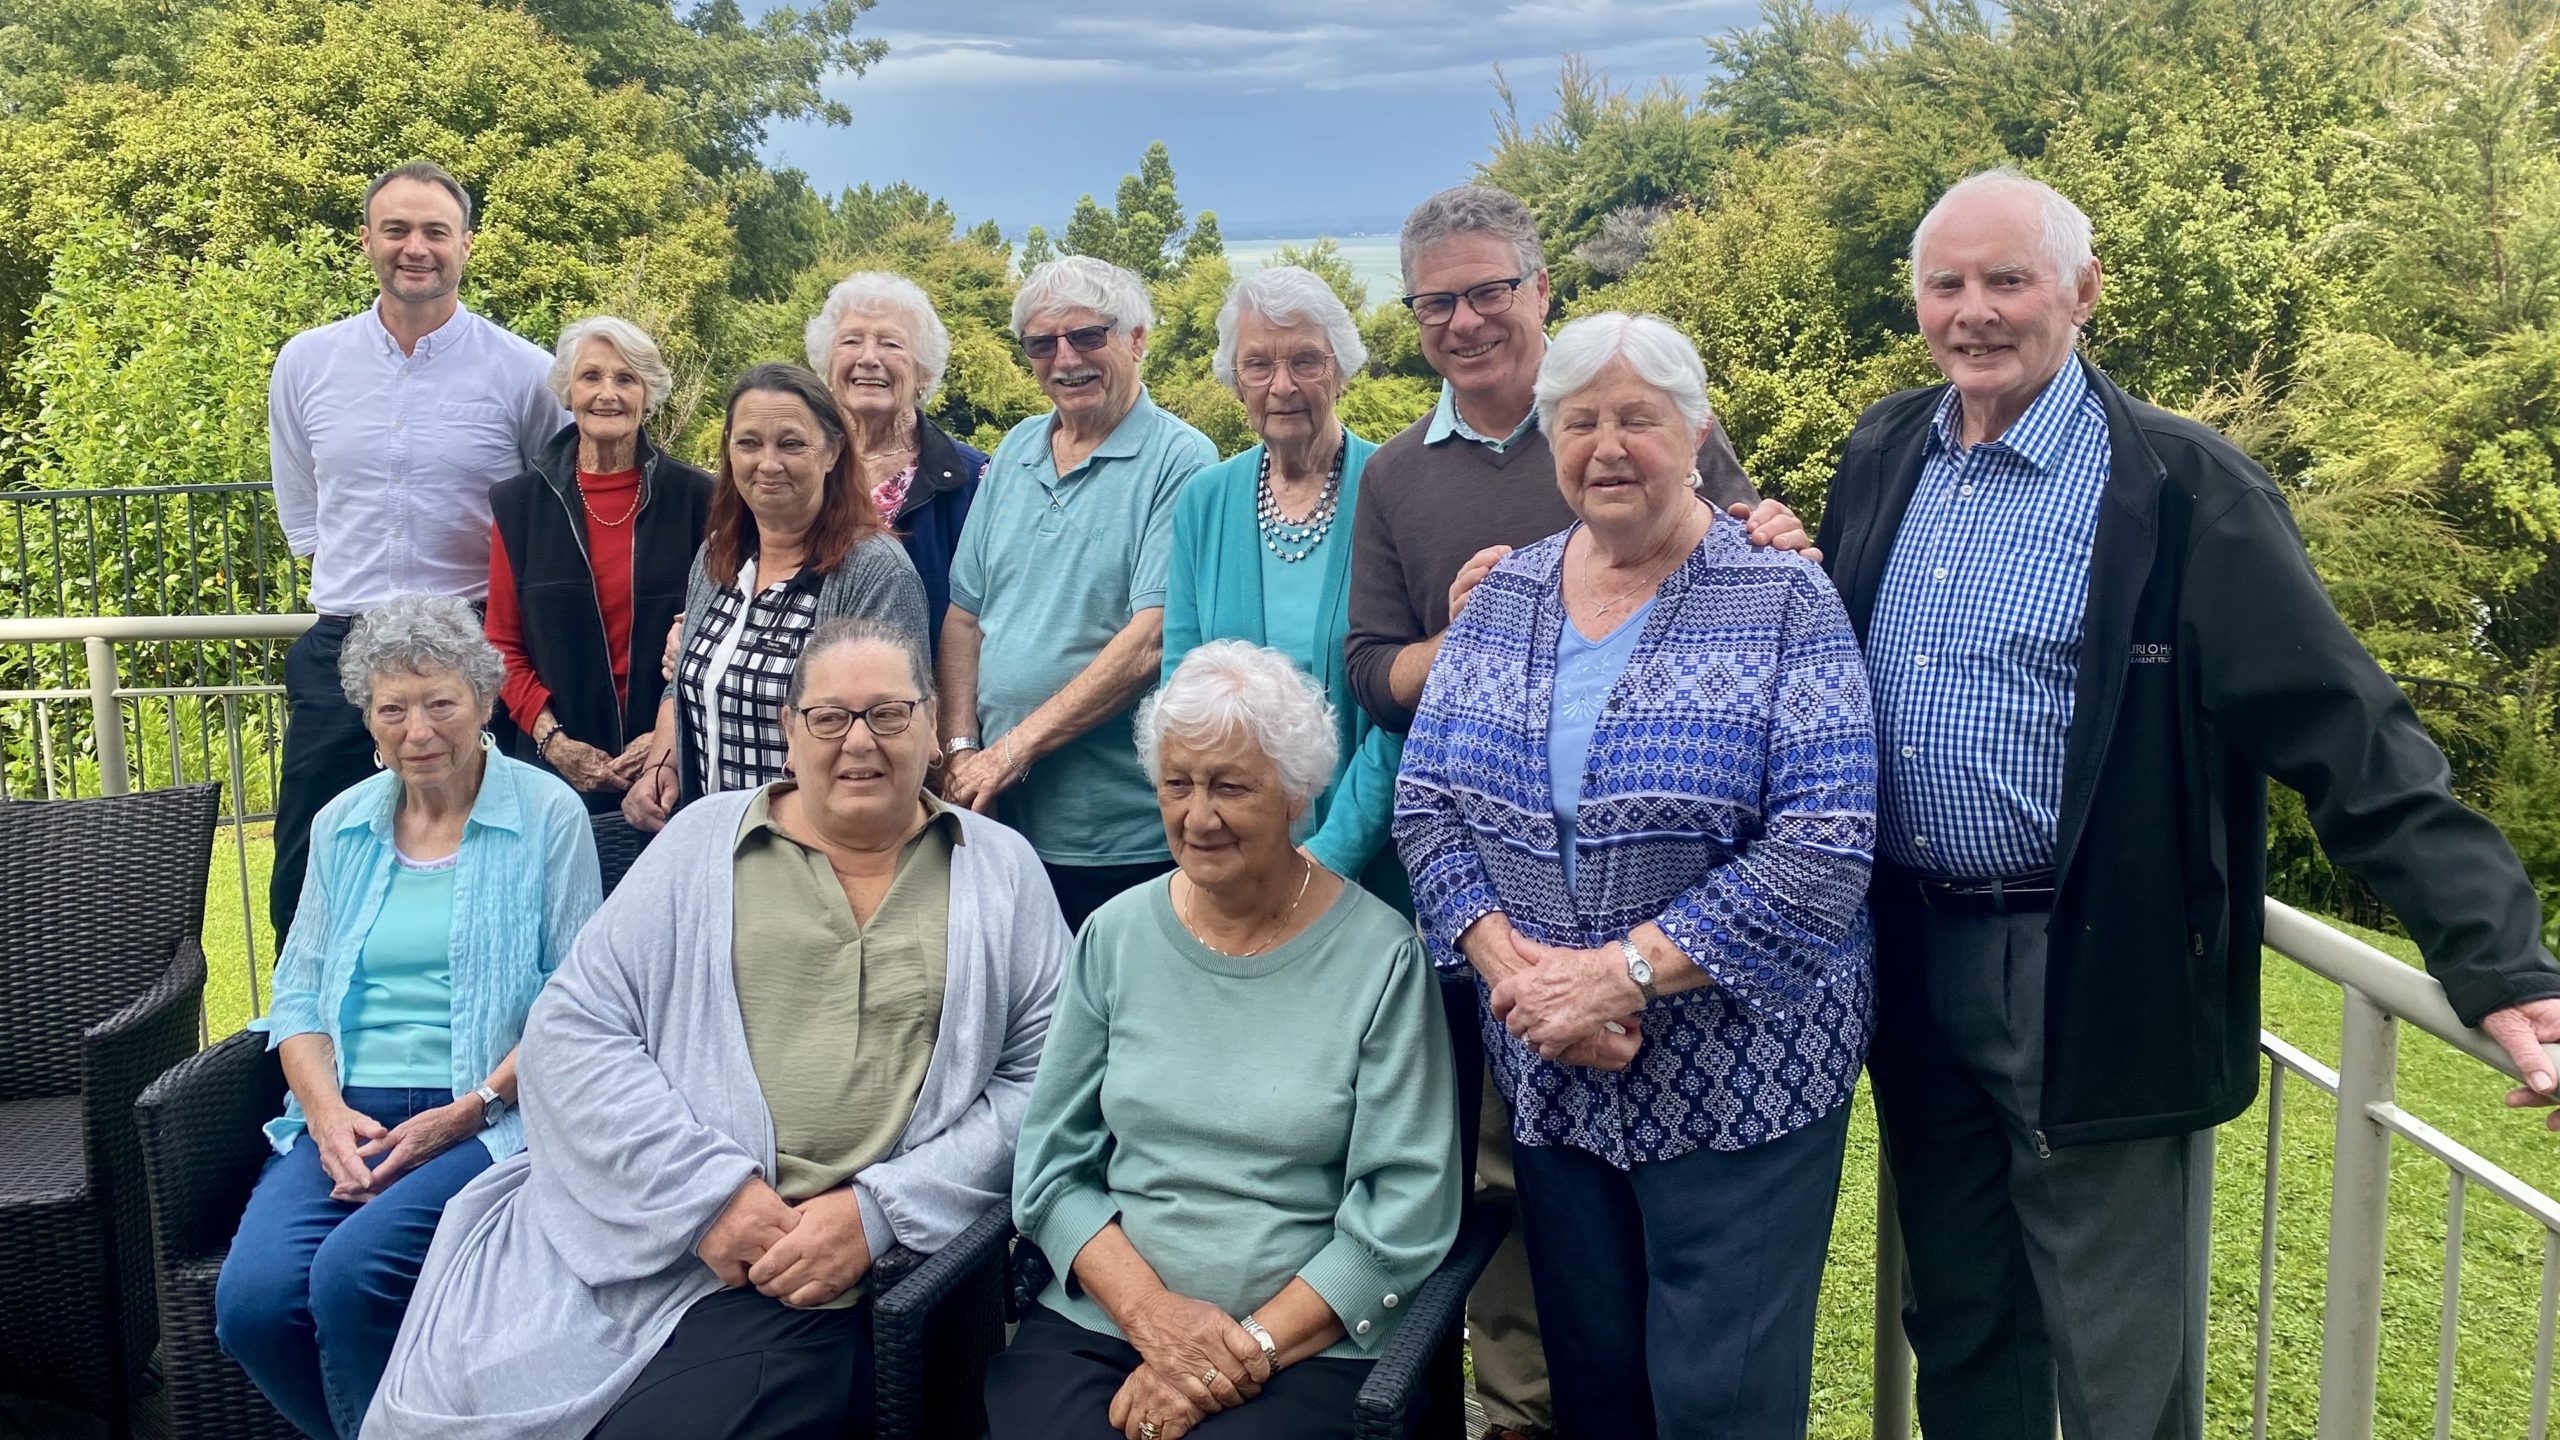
557, 1274
875, 579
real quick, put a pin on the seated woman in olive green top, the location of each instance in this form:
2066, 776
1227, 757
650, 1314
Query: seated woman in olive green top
1242, 1151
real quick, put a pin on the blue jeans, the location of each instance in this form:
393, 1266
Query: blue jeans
312, 1292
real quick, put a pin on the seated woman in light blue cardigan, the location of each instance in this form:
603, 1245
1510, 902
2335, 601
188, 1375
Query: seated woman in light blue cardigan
1262, 546
441, 894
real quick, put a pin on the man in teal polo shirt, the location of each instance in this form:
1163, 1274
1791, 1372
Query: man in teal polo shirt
1056, 623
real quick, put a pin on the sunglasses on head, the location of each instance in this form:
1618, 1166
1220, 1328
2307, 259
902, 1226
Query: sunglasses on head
1086, 339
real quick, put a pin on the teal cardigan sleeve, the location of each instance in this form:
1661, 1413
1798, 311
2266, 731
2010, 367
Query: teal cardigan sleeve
1360, 813
1400, 1202
1184, 627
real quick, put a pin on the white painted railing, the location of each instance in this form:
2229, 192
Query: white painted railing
2380, 995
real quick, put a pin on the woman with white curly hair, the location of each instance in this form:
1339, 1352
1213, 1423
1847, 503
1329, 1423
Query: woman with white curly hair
1242, 1150
881, 349
1262, 545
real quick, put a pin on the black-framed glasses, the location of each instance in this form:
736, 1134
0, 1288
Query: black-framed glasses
1307, 365
834, 722
1439, 307
1085, 338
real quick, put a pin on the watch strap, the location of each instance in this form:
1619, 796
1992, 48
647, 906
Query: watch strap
1262, 1337
1639, 969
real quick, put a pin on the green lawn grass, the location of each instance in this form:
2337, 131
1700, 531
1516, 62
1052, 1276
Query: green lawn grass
2502, 1251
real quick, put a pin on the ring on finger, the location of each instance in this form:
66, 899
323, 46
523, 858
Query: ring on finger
1146, 1430
1209, 1378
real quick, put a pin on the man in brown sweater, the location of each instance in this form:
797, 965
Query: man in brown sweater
1441, 504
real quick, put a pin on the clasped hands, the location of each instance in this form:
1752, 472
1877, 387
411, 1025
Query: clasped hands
1560, 1002
1198, 1361
361, 1157
802, 1255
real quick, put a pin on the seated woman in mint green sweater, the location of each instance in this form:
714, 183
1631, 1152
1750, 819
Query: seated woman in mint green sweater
1242, 1151
1262, 547
440, 896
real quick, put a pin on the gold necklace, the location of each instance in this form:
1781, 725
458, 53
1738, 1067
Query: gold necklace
1304, 880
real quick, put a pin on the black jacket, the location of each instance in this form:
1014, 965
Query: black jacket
928, 521
2211, 660
538, 521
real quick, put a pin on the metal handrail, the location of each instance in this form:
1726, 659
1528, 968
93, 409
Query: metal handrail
2380, 992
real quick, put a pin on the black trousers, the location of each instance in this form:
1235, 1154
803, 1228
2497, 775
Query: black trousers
1678, 1299
326, 750
1082, 888
742, 1366
1056, 1382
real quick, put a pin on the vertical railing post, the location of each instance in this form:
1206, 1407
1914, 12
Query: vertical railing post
1893, 1350
2359, 1211
106, 716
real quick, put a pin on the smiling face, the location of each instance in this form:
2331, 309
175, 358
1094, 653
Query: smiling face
872, 370
1227, 817
606, 396
1623, 452
861, 785
1088, 386
1477, 354
1998, 318
779, 458
414, 237
1287, 410
426, 727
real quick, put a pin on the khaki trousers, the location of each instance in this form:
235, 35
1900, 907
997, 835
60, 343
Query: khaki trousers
1502, 1314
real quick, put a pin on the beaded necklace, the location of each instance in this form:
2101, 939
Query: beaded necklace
1295, 540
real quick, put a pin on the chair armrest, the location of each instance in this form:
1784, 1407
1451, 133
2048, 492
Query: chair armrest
1396, 1388
201, 1146
131, 1048
914, 1288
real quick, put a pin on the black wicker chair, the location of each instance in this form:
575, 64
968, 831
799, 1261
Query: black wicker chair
202, 1150
618, 843
936, 1320
101, 988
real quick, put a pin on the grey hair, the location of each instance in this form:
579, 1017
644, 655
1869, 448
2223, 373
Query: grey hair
1660, 355
881, 292
846, 631
2063, 238
1231, 687
1471, 210
1283, 295
1080, 282
417, 635
634, 345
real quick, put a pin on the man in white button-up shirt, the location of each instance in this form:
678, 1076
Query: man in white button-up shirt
386, 430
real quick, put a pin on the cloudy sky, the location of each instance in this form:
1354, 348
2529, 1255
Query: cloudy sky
1284, 116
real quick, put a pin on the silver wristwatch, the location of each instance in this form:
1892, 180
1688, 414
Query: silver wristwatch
959, 745
1262, 1337
1639, 969
493, 1106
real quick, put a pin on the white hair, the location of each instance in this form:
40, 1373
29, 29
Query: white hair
1471, 210
1234, 687
2062, 231
1080, 282
419, 635
880, 292
1285, 295
1659, 354
630, 341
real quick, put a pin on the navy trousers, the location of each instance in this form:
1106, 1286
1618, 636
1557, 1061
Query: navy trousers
742, 1366
327, 749
1678, 1299
311, 1295
1057, 1379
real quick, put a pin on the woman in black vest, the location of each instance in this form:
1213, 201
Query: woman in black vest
881, 349
587, 568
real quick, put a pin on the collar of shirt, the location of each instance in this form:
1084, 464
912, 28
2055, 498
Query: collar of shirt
2037, 437
759, 817
435, 342
1123, 443
496, 805
1446, 421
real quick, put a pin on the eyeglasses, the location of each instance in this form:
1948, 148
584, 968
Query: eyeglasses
1260, 370
1439, 307
834, 722
1086, 339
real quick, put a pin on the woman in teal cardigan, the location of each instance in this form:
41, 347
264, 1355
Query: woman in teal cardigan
1262, 546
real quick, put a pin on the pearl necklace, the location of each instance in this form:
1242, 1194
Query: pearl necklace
1295, 540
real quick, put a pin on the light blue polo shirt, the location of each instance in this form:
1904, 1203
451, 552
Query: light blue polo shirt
1054, 566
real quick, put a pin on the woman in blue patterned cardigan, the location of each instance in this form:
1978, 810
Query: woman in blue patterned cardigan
1639, 800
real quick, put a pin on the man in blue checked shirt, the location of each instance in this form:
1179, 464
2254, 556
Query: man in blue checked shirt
2092, 634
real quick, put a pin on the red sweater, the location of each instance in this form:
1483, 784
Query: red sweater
614, 497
